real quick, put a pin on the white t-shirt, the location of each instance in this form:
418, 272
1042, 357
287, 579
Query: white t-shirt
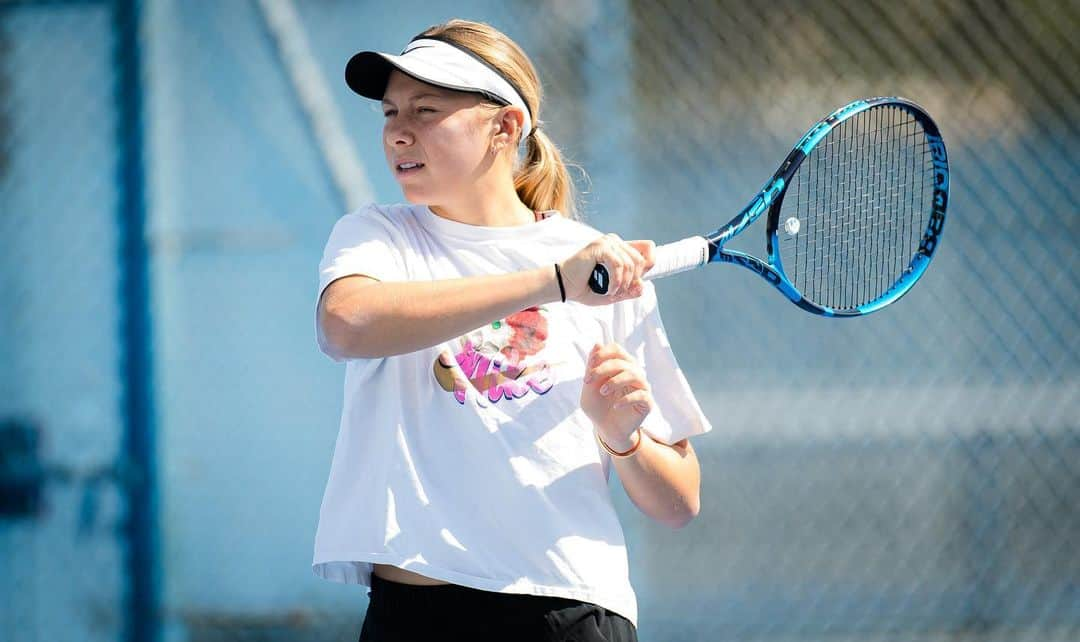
472, 461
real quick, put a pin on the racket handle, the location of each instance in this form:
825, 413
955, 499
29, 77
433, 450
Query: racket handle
598, 281
671, 258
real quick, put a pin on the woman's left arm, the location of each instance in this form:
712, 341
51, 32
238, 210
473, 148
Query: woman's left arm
663, 481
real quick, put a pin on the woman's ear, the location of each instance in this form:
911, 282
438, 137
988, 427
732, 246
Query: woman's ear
508, 126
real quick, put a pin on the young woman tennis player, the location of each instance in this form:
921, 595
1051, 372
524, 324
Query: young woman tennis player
488, 391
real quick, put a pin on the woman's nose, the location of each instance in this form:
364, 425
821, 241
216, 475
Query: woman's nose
396, 134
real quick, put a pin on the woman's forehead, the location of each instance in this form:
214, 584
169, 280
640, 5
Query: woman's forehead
403, 87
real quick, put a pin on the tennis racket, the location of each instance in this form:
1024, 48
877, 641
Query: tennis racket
855, 213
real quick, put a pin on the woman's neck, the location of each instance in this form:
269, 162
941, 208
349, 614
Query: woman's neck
494, 208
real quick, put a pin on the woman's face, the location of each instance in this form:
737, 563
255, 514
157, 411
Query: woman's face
436, 140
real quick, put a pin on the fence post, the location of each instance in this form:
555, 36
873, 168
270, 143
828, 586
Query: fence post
140, 481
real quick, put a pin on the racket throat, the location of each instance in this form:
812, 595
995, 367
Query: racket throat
760, 268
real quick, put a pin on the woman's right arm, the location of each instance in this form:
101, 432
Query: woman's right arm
362, 317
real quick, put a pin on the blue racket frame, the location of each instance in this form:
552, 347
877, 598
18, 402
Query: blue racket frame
771, 198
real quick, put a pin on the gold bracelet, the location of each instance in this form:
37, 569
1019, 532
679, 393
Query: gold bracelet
616, 454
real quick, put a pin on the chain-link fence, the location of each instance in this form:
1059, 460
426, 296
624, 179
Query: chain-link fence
913, 474
62, 550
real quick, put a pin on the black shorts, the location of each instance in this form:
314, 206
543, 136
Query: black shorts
447, 613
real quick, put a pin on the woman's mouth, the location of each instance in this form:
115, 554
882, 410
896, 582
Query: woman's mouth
408, 167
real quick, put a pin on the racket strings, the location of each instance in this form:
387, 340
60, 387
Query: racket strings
862, 201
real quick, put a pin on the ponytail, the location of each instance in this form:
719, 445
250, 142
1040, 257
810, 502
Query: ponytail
543, 182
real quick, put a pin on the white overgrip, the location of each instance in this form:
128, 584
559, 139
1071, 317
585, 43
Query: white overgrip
679, 256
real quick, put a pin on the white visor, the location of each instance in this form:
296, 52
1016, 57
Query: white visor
436, 63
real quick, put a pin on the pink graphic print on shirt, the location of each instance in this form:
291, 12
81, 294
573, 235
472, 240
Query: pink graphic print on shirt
497, 360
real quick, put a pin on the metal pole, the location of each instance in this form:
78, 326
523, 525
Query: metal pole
138, 465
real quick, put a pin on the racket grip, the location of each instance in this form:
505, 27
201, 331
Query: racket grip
598, 280
671, 258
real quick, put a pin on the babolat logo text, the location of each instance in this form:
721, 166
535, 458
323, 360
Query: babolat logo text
941, 163
940, 196
937, 147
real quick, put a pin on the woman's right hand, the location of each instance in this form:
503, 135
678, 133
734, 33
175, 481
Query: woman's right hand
625, 261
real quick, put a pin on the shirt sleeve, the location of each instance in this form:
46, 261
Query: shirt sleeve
637, 327
366, 243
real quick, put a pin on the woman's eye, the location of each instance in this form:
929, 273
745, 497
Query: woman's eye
425, 109
389, 112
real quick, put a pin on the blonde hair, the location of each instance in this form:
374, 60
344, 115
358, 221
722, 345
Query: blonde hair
542, 180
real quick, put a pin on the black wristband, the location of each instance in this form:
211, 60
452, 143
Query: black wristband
558, 276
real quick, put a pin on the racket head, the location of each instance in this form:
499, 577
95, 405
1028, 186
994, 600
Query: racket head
862, 208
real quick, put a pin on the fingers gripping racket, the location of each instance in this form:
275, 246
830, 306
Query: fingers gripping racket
855, 213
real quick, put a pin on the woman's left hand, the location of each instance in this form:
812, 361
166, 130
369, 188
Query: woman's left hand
615, 395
